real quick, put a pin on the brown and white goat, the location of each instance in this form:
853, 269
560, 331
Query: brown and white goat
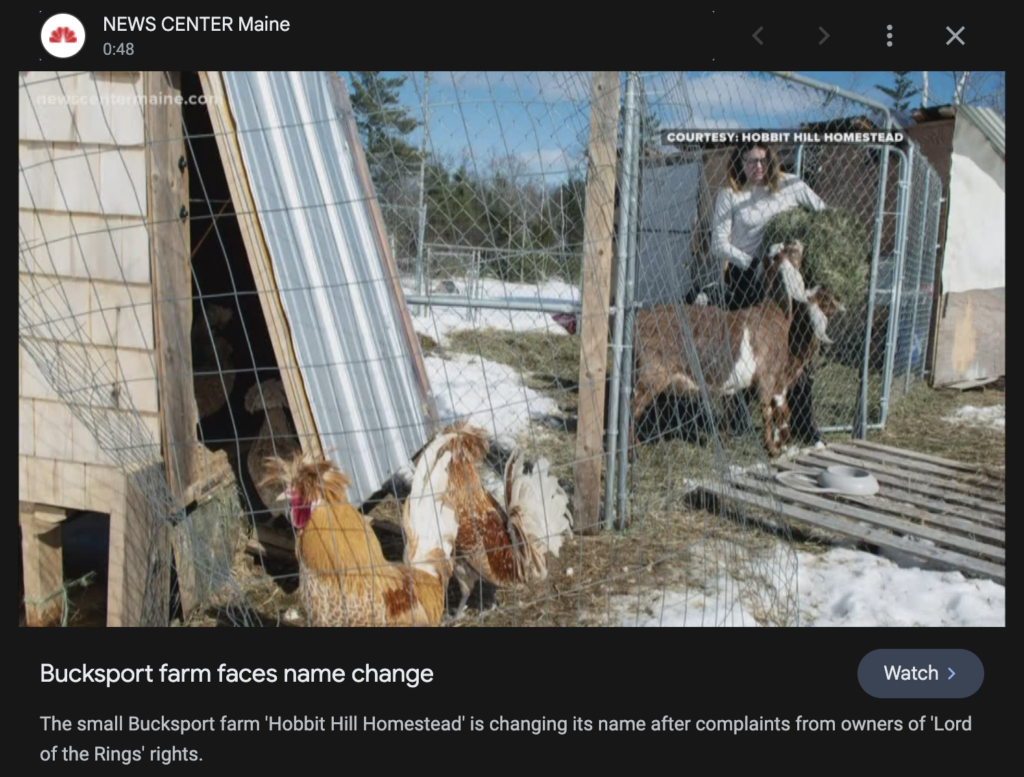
765, 346
806, 331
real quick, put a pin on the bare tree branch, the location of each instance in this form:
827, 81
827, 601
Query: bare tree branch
985, 88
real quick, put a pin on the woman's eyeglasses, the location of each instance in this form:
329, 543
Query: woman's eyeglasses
762, 161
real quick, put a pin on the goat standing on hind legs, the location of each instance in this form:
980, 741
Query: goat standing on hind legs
764, 347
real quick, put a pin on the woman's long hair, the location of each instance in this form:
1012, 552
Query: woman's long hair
738, 172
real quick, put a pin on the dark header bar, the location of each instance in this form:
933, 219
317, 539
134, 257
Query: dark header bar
295, 37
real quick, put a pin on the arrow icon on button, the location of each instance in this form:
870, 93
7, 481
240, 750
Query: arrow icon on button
951, 673
825, 38
757, 38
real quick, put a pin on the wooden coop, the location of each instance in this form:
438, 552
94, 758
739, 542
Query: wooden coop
189, 251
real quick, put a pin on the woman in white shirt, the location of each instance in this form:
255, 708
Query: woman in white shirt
758, 190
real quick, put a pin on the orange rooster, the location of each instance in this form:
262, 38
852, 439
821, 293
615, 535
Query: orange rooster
344, 578
502, 545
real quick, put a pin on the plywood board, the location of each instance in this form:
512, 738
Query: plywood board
139, 572
971, 338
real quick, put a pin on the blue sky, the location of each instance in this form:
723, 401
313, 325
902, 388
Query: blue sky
940, 86
540, 118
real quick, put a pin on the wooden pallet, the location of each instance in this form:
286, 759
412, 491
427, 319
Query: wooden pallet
958, 507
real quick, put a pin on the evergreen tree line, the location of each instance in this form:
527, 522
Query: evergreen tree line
485, 203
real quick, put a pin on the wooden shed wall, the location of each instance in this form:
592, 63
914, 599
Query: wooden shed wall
86, 298
84, 247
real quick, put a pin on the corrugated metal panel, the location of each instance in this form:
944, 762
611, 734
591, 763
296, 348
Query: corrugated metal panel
344, 323
668, 212
990, 123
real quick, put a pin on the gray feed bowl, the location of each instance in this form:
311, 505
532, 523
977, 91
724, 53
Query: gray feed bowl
849, 480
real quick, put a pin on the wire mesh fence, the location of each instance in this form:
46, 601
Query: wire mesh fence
916, 286
845, 213
349, 270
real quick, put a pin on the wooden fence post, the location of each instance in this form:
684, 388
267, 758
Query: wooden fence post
596, 293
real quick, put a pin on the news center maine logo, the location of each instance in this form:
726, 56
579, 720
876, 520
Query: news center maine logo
686, 137
63, 35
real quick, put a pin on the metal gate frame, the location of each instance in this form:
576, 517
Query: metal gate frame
624, 307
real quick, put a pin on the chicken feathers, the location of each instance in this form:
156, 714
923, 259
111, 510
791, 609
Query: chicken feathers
344, 578
502, 544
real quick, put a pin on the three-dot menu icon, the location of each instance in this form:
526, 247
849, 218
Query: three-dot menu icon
889, 36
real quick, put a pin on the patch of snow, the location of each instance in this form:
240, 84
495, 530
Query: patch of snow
852, 588
842, 587
488, 394
718, 606
993, 417
439, 322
